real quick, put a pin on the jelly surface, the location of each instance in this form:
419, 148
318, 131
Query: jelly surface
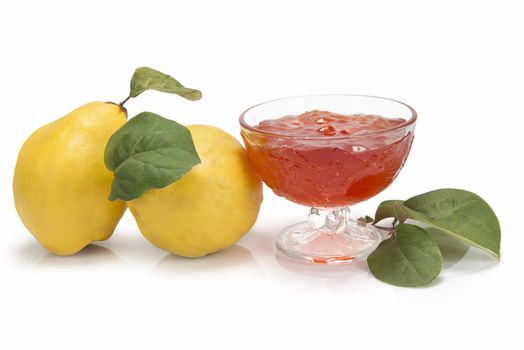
326, 159
322, 123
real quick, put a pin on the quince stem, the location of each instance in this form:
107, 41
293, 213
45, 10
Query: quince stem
124, 101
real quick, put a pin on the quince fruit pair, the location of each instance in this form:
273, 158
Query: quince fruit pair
61, 185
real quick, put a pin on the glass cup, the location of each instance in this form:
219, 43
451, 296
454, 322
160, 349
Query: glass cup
328, 173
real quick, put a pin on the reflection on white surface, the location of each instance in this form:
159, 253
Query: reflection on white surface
91, 256
32, 255
29, 252
331, 278
256, 258
233, 257
320, 270
473, 261
233, 270
459, 257
452, 250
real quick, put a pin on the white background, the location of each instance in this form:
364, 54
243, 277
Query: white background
458, 63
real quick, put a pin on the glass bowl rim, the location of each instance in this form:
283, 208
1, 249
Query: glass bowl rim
253, 129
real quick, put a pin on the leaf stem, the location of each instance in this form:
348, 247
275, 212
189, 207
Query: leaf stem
124, 101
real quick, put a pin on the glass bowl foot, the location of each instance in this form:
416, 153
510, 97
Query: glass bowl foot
338, 240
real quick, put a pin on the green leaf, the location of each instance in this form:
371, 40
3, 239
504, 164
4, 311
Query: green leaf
146, 78
451, 249
149, 151
389, 209
410, 258
459, 213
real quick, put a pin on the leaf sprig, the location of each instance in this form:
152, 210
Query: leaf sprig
411, 257
149, 151
146, 78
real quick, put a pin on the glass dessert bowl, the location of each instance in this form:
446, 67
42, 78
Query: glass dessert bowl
328, 152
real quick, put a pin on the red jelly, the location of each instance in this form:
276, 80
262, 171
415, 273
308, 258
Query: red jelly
326, 159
